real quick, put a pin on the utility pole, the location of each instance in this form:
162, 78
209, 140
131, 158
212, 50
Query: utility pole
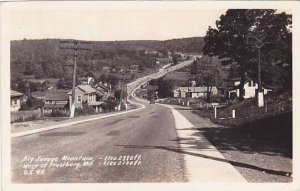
123, 86
259, 42
75, 48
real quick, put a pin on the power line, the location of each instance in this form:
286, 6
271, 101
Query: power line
76, 47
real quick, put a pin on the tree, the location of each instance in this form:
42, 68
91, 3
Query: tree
90, 74
194, 68
165, 88
229, 41
117, 94
174, 59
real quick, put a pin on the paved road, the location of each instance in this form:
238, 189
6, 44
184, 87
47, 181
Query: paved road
145, 135
138, 133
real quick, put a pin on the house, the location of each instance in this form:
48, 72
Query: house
250, 89
86, 80
15, 100
193, 92
85, 95
56, 100
38, 95
103, 91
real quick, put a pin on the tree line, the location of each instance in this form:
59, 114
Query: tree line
44, 58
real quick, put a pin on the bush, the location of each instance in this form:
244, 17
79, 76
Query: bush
109, 105
57, 113
32, 103
29, 118
85, 110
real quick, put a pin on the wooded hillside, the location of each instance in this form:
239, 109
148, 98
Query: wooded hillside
44, 58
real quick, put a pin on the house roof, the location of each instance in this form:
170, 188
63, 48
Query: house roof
195, 89
38, 94
55, 106
98, 86
86, 88
96, 103
14, 93
56, 95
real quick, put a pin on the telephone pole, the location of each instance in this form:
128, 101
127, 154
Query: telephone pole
75, 48
259, 42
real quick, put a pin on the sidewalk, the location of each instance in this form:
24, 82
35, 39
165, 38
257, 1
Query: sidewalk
203, 161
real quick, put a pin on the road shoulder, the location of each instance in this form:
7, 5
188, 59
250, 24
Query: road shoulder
203, 161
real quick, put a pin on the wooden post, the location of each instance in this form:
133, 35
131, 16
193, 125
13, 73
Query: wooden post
215, 111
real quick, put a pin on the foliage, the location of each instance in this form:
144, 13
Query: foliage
33, 117
44, 58
194, 68
117, 94
57, 113
110, 104
32, 103
230, 41
109, 78
85, 110
165, 87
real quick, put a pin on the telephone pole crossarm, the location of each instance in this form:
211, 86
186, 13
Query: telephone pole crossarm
75, 48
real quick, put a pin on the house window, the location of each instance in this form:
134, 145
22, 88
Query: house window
79, 99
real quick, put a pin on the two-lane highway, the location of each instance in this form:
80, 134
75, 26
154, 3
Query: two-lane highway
148, 134
143, 133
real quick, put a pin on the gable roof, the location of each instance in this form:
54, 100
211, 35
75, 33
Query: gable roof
56, 95
87, 89
102, 87
195, 89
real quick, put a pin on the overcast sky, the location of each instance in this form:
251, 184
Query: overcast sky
129, 23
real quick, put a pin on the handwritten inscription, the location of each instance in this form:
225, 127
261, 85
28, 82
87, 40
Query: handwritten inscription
123, 160
41, 165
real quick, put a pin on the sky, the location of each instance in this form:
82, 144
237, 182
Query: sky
107, 24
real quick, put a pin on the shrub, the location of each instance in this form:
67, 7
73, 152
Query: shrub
85, 110
57, 113
29, 118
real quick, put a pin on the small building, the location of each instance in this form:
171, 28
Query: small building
250, 89
193, 92
85, 95
15, 100
56, 100
103, 91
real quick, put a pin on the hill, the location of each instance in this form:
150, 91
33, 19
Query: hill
44, 58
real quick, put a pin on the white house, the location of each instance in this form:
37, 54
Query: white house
194, 92
250, 89
85, 94
15, 100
